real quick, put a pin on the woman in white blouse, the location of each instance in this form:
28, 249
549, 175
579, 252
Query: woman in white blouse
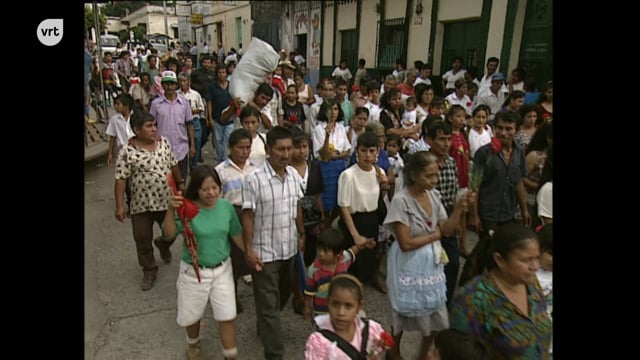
330, 146
359, 189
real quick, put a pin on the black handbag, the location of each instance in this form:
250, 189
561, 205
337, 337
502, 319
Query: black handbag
311, 214
382, 207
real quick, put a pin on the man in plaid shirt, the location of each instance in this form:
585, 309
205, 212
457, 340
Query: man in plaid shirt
273, 231
439, 138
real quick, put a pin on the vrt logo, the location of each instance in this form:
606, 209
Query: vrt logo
50, 31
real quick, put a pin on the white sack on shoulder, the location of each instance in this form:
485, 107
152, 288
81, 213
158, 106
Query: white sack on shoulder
259, 60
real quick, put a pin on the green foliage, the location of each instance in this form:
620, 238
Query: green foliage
117, 8
138, 34
89, 19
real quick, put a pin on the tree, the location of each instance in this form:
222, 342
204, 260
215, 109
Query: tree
119, 8
89, 20
138, 34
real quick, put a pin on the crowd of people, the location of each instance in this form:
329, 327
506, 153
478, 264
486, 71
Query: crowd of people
387, 173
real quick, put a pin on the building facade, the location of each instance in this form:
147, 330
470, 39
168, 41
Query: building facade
152, 20
223, 22
214, 22
518, 32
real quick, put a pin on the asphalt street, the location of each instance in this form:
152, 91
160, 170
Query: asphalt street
123, 322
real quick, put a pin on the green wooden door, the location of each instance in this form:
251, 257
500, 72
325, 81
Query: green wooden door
536, 49
460, 39
349, 50
463, 39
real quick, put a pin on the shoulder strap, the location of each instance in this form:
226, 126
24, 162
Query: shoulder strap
346, 346
342, 344
262, 139
365, 338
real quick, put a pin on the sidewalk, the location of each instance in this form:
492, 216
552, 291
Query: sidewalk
96, 141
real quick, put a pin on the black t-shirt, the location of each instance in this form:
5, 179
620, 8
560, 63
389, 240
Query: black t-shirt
200, 80
294, 114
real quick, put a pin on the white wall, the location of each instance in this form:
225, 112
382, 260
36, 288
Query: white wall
437, 48
368, 26
419, 34
156, 24
228, 16
394, 9
450, 10
327, 37
516, 42
347, 16
496, 30
113, 24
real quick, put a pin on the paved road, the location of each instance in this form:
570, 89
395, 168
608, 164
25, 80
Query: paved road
122, 322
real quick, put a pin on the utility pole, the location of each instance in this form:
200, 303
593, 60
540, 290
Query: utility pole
96, 22
166, 25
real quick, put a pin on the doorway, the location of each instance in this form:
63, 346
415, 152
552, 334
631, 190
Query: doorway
462, 39
536, 50
301, 45
349, 50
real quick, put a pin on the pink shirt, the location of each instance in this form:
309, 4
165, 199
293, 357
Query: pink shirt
318, 347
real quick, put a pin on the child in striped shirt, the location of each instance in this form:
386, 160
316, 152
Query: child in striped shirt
330, 261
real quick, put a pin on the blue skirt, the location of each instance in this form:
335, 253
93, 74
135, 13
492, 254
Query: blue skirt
330, 171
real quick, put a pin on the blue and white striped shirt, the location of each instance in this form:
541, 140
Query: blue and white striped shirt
232, 177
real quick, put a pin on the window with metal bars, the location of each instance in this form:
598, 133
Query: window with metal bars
390, 43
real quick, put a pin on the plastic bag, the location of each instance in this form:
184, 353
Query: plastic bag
259, 60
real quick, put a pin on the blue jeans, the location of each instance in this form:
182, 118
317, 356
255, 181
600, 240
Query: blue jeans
205, 132
222, 133
197, 129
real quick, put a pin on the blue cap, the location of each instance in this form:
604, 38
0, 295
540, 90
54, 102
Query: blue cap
497, 77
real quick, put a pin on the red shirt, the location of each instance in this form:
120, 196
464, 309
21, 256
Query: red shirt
279, 84
406, 89
459, 151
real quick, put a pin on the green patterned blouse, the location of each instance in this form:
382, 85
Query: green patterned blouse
482, 309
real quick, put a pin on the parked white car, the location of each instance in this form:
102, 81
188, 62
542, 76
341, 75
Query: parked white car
108, 43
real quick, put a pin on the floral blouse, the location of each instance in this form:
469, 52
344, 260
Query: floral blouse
147, 173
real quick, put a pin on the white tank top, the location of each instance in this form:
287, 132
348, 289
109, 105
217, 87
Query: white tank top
303, 96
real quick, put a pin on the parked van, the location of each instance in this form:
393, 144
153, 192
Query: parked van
160, 46
109, 43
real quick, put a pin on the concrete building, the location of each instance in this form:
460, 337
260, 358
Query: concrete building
113, 25
223, 22
518, 32
152, 20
